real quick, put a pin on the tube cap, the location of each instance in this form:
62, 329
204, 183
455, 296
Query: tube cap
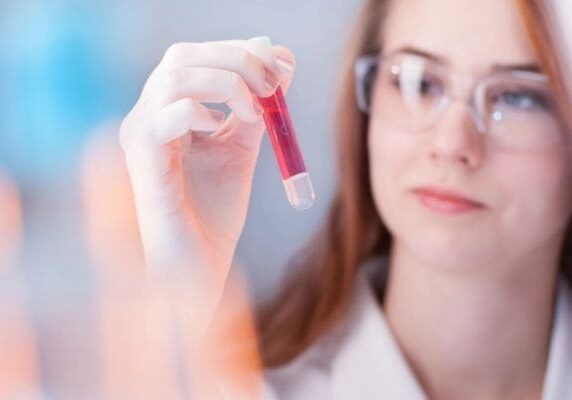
262, 40
300, 191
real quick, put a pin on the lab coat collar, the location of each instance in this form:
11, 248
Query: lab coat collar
558, 378
369, 363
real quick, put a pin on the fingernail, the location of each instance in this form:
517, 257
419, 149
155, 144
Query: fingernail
285, 66
270, 82
258, 108
217, 115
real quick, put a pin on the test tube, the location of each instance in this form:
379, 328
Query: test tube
295, 177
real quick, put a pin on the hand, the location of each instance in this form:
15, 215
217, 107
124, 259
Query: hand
191, 188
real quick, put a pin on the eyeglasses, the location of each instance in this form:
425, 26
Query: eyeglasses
410, 93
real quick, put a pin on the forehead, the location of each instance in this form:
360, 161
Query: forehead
472, 35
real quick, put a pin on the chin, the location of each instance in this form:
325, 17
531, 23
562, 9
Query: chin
449, 251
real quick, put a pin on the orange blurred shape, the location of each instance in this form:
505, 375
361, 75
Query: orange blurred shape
111, 227
19, 368
137, 345
134, 317
153, 339
10, 222
155, 345
228, 360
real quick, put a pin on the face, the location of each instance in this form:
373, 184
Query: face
447, 195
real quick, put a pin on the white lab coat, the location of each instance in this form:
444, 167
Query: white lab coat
361, 359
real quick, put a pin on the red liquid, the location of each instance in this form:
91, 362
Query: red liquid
282, 134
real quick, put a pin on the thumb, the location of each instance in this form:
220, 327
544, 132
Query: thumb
287, 63
247, 135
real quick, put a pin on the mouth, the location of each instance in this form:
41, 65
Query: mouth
446, 201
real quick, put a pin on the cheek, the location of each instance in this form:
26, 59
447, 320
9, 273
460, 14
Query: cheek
535, 188
523, 190
382, 161
392, 157
388, 151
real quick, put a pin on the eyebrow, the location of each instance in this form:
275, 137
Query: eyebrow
517, 67
530, 67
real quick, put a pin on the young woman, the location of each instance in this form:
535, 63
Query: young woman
438, 273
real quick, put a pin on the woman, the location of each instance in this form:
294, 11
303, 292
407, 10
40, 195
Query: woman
437, 273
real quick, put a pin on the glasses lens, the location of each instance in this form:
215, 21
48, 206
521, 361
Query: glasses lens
522, 113
408, 93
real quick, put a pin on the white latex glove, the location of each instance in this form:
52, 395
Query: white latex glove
192, 189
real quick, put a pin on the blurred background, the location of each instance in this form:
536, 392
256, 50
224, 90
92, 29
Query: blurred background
69, 72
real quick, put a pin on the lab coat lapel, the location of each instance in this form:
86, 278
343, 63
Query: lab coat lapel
369, 364
558, 378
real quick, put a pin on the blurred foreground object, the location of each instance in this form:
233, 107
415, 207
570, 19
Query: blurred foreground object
19, 373
150, 323
10, 222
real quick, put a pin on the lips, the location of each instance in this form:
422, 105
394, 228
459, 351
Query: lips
446, 201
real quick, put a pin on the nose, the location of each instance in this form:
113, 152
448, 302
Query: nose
456, 138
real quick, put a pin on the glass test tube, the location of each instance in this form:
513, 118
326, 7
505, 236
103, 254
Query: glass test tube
282, 135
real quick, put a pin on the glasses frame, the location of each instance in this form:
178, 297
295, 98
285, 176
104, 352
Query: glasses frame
476, 101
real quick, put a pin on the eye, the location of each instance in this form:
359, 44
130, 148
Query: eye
420, 85
523, 100
427, 86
